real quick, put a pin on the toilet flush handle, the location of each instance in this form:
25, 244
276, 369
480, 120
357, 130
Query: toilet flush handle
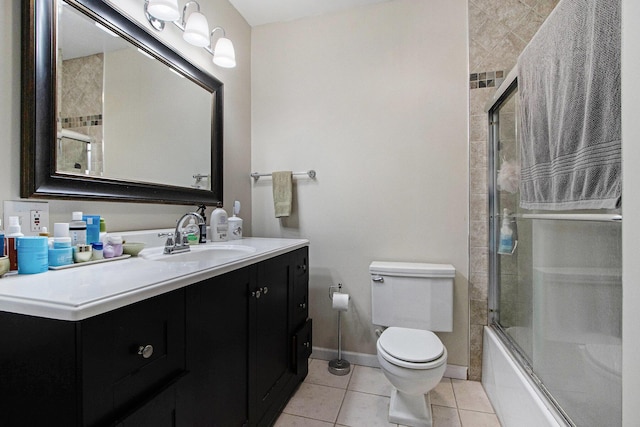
377, 278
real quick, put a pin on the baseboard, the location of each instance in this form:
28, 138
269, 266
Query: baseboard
456, 372
371, 360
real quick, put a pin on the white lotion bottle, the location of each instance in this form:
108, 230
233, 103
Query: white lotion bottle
219, 224
235, 223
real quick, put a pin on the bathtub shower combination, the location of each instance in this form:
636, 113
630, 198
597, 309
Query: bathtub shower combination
553, 349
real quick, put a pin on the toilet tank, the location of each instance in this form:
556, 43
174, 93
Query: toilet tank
412, 295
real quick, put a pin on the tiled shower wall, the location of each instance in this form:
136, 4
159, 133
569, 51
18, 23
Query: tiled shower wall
498, 31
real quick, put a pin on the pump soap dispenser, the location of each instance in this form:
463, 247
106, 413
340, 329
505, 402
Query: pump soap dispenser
506, 245
235, 223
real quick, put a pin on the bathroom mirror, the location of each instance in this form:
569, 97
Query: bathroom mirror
111, 113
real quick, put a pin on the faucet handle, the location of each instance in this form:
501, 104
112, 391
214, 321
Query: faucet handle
169, 242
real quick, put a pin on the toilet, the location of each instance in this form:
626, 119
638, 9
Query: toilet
411, 301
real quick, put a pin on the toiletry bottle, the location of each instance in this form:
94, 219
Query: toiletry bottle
1, 240
219, 224
506, 235
13, 232
103, 232
93, 228
203, 227
33, 254
78, 230
97, 251
61, 229
192, 231
235, 223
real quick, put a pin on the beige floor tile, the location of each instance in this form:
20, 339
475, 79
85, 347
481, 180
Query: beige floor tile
443, 395
470, 395
478, 419
319, 374
316, 401
370, 380
287, 420
445, 416
364, 410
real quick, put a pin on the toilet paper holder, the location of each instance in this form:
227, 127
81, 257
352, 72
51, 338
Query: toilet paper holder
338, 366
331, 290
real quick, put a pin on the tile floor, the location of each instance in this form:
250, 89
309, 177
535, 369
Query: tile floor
361, 399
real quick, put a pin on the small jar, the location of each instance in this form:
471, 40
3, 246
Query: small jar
82, 253
108, 251
116, 243
61, 242
97, 252
60, 253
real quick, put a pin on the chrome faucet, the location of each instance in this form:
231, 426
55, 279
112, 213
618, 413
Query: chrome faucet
177, 241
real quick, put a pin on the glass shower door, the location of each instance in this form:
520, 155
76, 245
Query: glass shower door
556, 292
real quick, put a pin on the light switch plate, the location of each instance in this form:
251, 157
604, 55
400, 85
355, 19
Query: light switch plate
33, 216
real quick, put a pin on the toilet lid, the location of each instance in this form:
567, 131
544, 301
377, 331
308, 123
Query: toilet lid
411, 345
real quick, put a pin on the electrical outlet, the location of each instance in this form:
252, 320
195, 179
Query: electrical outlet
35, 223
33, 215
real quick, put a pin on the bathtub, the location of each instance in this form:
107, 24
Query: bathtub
516, 401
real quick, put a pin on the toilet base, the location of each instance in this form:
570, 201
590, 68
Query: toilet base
410, 410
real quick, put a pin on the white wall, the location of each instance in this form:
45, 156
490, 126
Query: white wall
131, 216
172, 116
375, 100
630, 209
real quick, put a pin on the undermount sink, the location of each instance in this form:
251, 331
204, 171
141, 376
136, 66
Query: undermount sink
209, 252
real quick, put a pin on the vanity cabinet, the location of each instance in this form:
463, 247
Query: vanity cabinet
91, 372
227, 351
241, 334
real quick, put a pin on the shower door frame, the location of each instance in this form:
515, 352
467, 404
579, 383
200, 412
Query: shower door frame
503, 93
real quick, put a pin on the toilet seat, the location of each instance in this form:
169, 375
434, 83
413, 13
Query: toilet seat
411, 348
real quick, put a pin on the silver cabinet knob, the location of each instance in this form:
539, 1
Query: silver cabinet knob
302, 305
265, 290
145, 351
306, 344
256, 294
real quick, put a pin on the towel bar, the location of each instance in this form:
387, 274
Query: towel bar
311, 173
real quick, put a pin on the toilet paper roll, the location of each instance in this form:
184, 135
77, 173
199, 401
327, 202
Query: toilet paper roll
340, 301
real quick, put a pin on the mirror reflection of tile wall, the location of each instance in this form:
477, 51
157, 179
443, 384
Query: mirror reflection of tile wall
81, 89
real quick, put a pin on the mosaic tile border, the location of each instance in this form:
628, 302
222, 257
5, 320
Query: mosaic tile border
486, 79
75, 122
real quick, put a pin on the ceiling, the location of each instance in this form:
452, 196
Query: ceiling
259, 12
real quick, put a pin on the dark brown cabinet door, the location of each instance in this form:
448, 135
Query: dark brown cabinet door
214, 393
270, 333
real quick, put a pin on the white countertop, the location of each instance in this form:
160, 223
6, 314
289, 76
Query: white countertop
85, 291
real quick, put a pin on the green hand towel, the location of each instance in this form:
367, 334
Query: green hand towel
282, 193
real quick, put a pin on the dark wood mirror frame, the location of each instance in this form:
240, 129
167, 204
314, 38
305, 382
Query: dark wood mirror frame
38, 127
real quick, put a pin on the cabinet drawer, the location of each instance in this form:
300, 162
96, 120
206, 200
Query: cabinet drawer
300, 303
130, 353
302, 348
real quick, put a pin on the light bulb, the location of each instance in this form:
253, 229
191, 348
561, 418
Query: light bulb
164, 10
223, 54
196, 31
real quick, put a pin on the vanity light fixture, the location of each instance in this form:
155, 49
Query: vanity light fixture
194, 26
